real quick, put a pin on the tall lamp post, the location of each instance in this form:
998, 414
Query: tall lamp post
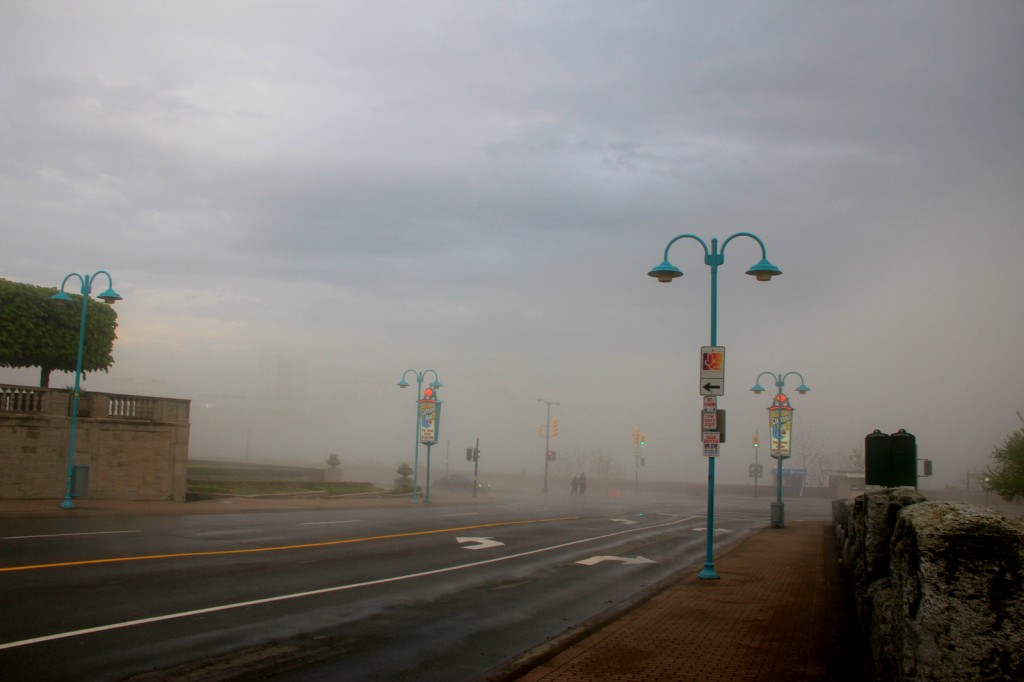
108, 296
435, 384
547, 440
779, 414
665, 272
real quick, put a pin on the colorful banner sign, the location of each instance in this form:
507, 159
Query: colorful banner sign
430, 421
780, 421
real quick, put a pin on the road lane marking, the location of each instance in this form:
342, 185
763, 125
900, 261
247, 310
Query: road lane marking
323, 523
625, 522
594, 560
255, 550
325, 590
481, 543
67, 535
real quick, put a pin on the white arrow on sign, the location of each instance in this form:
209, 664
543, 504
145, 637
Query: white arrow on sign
482, 543
623, 559
625, 521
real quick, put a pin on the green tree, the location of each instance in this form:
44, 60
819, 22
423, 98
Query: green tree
36, 331
1006, 476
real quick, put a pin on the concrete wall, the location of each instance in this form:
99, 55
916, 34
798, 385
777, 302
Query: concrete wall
135, 447
939, 586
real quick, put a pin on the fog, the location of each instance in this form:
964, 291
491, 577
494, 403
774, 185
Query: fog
299, 201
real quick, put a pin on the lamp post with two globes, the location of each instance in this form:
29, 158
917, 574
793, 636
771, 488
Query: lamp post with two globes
108, 296
434, 385
665, 272
780, 416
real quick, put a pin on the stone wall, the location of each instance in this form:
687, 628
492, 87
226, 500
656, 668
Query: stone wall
135, 447
939, 586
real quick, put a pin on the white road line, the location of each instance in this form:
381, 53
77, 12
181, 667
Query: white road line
67, 535
325, 590
320, 523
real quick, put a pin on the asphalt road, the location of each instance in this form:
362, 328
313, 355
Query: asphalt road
426, 592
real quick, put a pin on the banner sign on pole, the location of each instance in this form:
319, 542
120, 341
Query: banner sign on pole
780, 421
430, 418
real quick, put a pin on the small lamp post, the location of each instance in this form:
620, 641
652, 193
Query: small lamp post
779, 415
109, 296
665, 272
435, 384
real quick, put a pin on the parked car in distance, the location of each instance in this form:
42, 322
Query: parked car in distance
459, 483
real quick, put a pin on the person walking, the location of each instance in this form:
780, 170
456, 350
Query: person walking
583, 482
575, 484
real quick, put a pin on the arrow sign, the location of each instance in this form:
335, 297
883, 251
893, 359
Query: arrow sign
622, 559
624, 521
712, 388
482, 543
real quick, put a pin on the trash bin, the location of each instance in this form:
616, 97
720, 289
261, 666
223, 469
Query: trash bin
80, 480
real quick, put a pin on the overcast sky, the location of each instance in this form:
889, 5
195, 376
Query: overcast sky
301, 200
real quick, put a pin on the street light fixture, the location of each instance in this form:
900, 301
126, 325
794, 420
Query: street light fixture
547, 440
779, 408
435, 384
665, 272
109, 296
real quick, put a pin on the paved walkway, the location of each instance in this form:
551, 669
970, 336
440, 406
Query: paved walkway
777, 613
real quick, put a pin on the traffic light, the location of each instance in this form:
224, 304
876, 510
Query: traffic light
643, 439
469, 454
927, 467
636, 437
554, 427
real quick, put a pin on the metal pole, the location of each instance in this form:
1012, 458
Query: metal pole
68, 503
547, 439
547, 446
426, 499
708, 572
636, 467
416, 451
476, 466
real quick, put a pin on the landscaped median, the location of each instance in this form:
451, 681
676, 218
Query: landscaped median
209, 479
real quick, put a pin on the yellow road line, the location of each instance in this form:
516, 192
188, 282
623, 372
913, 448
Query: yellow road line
330, 543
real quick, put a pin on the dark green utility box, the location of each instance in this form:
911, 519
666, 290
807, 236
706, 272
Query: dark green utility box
890, 460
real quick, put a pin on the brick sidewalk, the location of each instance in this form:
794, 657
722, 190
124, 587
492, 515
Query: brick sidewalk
776, 614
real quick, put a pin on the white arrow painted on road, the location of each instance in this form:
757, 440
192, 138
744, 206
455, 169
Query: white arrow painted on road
623, 559
625, 521
482, 543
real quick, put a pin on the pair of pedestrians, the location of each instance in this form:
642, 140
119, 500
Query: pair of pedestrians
579, 484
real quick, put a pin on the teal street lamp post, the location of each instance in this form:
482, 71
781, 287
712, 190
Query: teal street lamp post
547, 440
780, 413
665, 272
109, 296
436, 384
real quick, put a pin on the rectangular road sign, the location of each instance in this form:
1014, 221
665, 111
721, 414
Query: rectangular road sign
712, 362
709, 421
712, 387
711, 443
710, 403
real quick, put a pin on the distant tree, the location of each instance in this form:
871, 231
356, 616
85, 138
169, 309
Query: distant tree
36, 331
1006, 476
